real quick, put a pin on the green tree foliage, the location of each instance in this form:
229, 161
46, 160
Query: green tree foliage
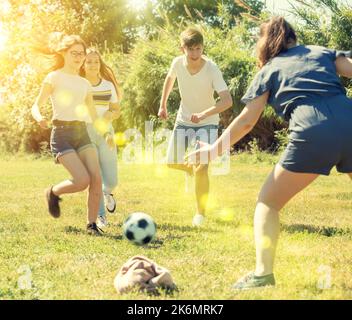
209, 11
140, 46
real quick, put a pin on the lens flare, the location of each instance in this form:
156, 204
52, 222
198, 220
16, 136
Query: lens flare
204, 200
161, 171
246, 230
212, 203
81, 111
101, 125
64, 98
265, 242
120, 139
227, 214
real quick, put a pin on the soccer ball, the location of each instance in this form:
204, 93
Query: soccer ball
139, 228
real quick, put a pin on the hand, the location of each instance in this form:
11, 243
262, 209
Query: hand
112, 115
43, 123
202, 156
162, 114
110, 141
108, 115
197, 117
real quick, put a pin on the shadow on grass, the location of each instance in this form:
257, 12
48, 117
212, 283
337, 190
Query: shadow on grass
172, 227
79, 231
339, 196
321, 230
188, 229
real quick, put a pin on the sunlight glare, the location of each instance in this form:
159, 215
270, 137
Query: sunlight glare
137, 5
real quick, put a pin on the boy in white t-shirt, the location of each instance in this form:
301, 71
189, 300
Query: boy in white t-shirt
198, 116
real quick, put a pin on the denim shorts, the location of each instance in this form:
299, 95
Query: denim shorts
67, 136
186, 137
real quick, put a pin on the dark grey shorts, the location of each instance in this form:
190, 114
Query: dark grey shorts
320, 137
183, 137
69, 137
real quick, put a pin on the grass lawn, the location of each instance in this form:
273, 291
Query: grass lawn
65, 263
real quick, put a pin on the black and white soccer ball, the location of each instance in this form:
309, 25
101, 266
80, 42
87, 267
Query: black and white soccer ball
139, 228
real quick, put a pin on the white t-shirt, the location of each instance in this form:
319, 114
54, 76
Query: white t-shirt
69, 95
197, 91
104, 94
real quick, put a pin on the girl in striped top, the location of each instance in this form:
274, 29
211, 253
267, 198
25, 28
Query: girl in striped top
106, 96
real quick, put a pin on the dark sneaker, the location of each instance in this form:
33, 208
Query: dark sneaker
53, 202
251, 281
94, 230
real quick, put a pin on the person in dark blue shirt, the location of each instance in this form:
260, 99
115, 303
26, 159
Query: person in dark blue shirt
302, 84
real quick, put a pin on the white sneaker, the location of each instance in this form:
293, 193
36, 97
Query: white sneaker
102, 222
198, 220
110, 203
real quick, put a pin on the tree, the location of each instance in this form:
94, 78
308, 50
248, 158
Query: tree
212, 12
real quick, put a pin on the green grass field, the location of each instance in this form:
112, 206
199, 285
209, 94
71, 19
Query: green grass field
65, 263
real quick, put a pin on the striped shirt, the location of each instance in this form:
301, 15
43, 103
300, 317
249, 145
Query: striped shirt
104, 94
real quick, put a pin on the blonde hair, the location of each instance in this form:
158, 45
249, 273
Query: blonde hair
105, 71
58, 44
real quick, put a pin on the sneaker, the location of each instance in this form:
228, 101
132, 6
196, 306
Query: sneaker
102, 222
251, 281
198, 220
53, 202
94, 230
110, 202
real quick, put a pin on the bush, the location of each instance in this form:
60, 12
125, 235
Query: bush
150, 61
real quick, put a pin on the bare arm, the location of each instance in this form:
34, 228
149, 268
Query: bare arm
243, 124
344, 67
239, 127
168, 85
113, 113
44, 94
90, 106
224, 103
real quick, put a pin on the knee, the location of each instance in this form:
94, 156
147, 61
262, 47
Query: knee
82, 182
95, 179
269, 204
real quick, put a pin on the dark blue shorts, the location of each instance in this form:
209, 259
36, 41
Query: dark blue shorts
320, 137
69, 137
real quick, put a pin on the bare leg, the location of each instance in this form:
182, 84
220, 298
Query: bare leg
80, 177
281, 186
183, 167
350, 175
202, 187
90, 159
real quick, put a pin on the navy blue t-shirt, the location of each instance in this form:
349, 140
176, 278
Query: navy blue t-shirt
301, 72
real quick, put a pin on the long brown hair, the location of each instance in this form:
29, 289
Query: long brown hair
58, 44
275, 37
105, 71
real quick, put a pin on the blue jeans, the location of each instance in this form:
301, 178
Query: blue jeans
107, 161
